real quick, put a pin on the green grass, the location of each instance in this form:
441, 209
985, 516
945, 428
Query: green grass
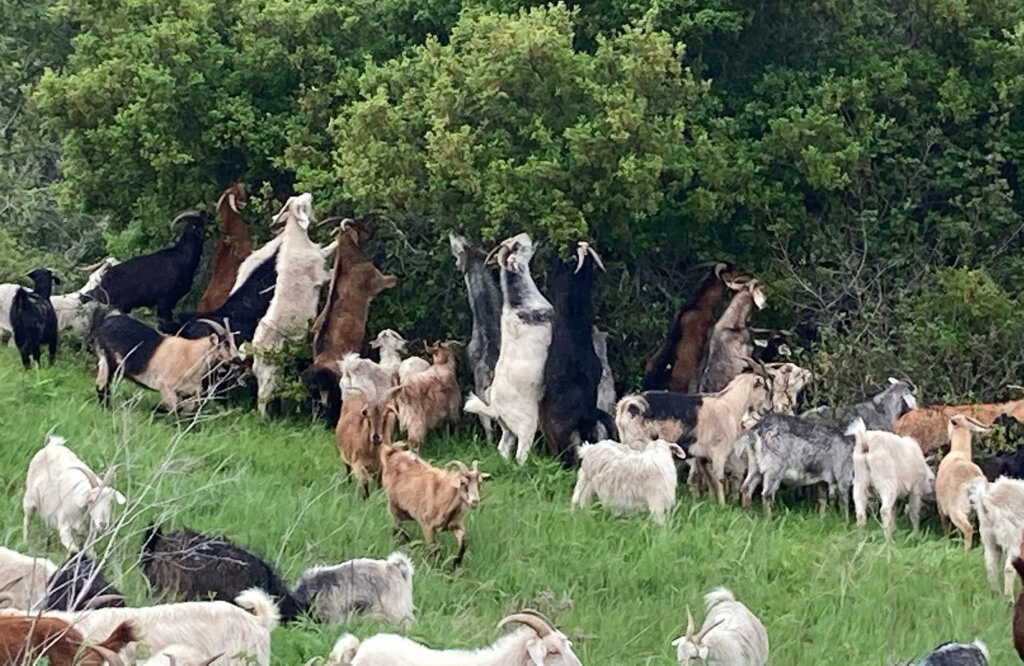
618, 587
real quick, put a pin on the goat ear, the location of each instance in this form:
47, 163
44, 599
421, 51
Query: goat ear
389, 281
537, 650
119, 498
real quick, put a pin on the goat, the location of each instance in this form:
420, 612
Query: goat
159, 279
379, 588
894, 467
485, 306
568, 409
1000, 509
436, 499
606, 387
625, 479
168, 364
928, 425
537, 643
23, 579
676, 365
731, 634
430, 398
518, 386
365, 425
180, 655
67, 494
957, 654
729, 346
300, 274
190, 565
7, 291
79, 584
74, 310
389, 344
239, 632
33, 320
24, 640
878, 413
233, 246
362, 374
955, 475
788, 380
1006, 464
799, 452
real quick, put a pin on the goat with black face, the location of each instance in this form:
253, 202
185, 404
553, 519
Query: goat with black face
32, 318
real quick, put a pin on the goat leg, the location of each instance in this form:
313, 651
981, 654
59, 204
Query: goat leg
460, 537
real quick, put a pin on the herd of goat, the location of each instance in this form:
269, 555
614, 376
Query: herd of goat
710, 413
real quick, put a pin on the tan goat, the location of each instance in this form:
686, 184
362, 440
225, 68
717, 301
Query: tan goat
431, 397
928, 425
953, 480
437, 499
363, 427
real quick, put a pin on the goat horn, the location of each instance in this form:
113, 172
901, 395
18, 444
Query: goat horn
532, 619
180, 216
458, 464
110, 657
491, 254
108, 476
581, 252
233, 203
217, 328
703, 632
6, 599
91, 267
689, 623
94, 480
334, 218
597, 259
210, 660
95, 602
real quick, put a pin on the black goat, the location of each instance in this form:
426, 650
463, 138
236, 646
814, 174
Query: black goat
159, 279
32, 318
77, 583
1005, 464
568, 410
243, 309
191, 565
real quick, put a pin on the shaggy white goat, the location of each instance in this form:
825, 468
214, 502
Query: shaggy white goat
606, 387
626, 480
894, 467
209, 628
731, 634
1000, 508
23, 579
361, 374
526, 319
68, 495
390, 345
300, 274
379, 588
72, 312
538, 643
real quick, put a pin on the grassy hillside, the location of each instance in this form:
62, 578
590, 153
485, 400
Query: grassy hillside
618, 587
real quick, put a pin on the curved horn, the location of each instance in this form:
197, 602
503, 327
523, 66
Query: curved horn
217, 328
94, 480
111, 658
532, 619
11, 583
211, 659
720, 268
703, 632
182, 215
490, 255
581, 252
597, 258
461, 466
503, 256
91, 267
233, 203
95, 602
108, 476
689, 623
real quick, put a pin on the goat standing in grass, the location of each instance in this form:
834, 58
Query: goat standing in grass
1000, 508
366, 424
928, 425
33, 318
954, 478
375, 588
430, 398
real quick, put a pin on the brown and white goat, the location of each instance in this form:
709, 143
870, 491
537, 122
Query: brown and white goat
26, 639
437, 499
730, 345
429, 398
233, 246
928, 425
365, 425
956, 473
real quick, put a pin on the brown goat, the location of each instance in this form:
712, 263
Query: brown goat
363, 426
430, 397
928, 424
233, 246
437, 499
676, 364
350, 239
956, 473
26, 639
1018, 607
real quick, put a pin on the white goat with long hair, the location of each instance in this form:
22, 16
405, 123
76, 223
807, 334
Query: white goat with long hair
625, 479
1000, 508
526, 319
23, 579
731, 634
378, 588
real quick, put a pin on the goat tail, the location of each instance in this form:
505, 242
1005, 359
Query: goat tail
981, 646
583, 449
977, 492
122, 635
344, 650
719, 595
858, 430
402, 564
475, 405
257, 602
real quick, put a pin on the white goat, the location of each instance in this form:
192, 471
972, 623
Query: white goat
23, 579
241, 633
72, 312
606, 387
1000, 508
731, 634
180, 655
412, 366
68, 495
380, 588
390, 344
526, 319
362, 374
7, 292
300, 274
895, 468
537, 643
626, 480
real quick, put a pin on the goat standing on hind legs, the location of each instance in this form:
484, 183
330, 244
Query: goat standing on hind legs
233, 246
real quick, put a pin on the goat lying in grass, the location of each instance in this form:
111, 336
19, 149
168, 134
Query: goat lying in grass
378, 588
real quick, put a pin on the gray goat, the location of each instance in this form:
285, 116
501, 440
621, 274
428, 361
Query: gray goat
879, 412
784, 448
957, 654
380, 588
730, 346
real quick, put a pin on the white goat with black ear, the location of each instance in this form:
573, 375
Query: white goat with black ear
626, 480
68, 495
731, 635
379, 588
894, 467
526, 320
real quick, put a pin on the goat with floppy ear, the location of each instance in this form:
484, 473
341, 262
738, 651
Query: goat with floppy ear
366, 424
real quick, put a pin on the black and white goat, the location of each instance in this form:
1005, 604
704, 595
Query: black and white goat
568, 410
518, 385
32, 318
